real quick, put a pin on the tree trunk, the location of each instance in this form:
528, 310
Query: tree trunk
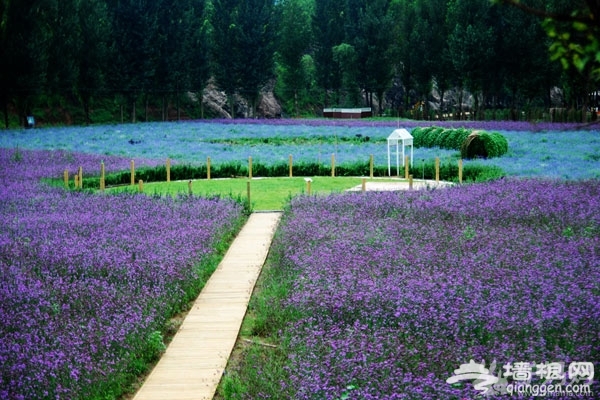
380, 98
231, 106
513, 113
481, 116
441, 112
86, 108
5, 108
202, 104
178, 107
460, 101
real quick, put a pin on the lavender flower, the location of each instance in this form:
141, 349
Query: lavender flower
86, 278
395, 290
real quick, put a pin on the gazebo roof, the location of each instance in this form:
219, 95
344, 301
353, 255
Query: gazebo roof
400, 134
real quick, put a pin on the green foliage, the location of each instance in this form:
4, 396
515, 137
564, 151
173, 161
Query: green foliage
574, 31
471, 143
455, 139
328, 31
232, 387
576, 46
101, 61
243, 42
155, 346
294, 65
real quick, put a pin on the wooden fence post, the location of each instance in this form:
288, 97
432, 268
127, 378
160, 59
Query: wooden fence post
308, 182
102, 177
460, 170
364, 185
248, 193
410, 182
250, 167
406, 167
168, 170
76, 181
80, 177
190, 191
437, 169
333, 165
66, 178
291, 159
208, 168
371, 166
132, 168
141, 186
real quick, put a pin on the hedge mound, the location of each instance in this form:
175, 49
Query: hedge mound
470, 143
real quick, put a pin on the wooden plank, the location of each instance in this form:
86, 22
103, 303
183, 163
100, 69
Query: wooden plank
194, 361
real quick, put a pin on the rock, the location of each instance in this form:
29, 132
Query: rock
216, 103
268, 106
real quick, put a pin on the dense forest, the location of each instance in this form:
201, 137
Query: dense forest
86, 61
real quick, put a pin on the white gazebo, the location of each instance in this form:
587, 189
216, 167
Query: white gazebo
399, 137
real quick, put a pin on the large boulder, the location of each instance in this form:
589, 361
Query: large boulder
216, 104
268, 106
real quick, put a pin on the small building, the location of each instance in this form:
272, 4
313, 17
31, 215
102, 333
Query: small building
347, 113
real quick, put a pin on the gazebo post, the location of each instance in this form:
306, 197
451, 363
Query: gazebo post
389, 166
397, 159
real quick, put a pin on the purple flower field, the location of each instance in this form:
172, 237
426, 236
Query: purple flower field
394, 291
567, 151
86, 280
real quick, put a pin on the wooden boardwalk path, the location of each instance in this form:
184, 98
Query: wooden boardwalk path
194, 361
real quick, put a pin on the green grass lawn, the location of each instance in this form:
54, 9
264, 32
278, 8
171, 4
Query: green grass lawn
265, 193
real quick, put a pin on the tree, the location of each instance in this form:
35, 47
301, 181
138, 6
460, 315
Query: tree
243, 37
293, 43
433, 66
328, 32
62, 35
403, 53
134, 46
92, 51
373, 43
523, 53
224, 39
471, 46
425, 41
256, 47
574, 29
183, 62
24, 53
575, 33
346, 58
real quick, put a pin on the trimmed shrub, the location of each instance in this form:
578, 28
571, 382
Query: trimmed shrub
471, 144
